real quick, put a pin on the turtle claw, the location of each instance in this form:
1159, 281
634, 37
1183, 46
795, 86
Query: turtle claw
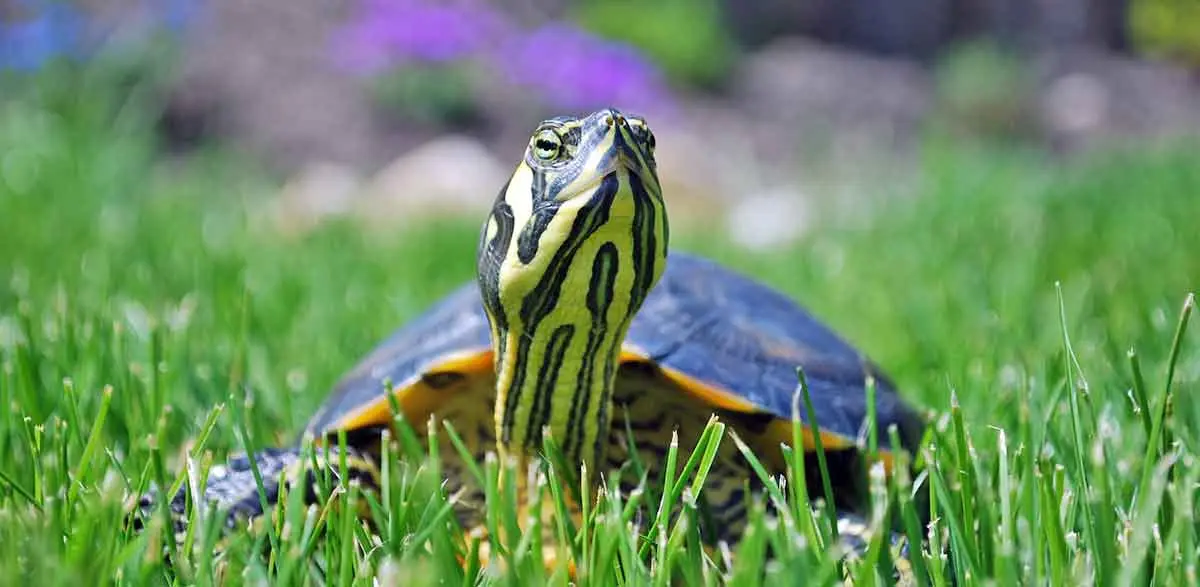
233, 488
856, 534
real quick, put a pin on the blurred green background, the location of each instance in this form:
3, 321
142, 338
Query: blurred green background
201, 196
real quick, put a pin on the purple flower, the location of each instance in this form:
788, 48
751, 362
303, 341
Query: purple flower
45, 30
54, 30
390, 32
575, 70
569, 68
176, 15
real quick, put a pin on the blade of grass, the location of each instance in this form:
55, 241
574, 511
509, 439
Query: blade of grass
17, 487
675, 491
1147, 514
240, 414
83, 467
664, 506
564, 528
798, 476
1005, 564
1159, 433
1096, 543
1142, 407
961, 552
819, 448
902, 484
968, 484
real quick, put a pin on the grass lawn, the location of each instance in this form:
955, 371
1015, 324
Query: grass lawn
1034, 308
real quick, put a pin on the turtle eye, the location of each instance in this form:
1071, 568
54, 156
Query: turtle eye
650, 143
547, 145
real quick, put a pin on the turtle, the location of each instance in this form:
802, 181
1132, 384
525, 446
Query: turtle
584, 323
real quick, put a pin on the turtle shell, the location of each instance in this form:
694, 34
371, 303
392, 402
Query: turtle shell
718, 335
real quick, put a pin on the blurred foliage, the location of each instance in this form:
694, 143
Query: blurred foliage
35, 34
983, 90
439, 94
1167, 27
688, 39
956, 283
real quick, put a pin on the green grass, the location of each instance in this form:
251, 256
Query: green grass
1035, 309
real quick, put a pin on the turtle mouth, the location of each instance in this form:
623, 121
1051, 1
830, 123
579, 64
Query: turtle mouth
601, 188
622, 159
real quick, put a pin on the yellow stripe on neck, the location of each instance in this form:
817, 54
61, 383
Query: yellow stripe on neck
573, 246
562, 344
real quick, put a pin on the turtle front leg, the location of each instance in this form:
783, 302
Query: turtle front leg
233, 489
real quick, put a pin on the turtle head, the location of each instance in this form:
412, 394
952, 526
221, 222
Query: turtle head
574, 243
